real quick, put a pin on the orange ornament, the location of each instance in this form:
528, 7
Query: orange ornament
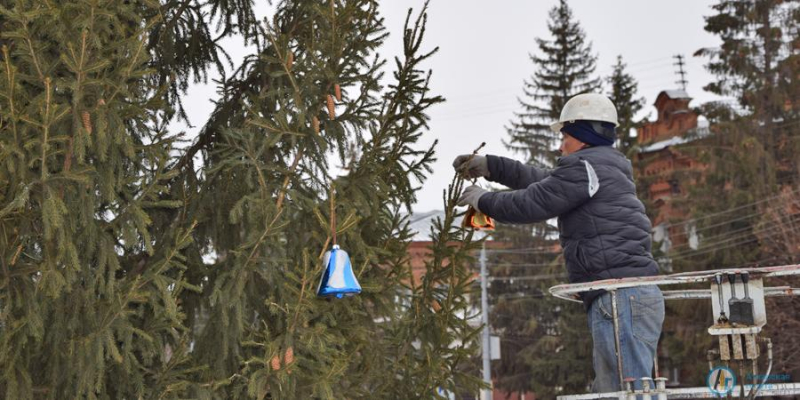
477, 220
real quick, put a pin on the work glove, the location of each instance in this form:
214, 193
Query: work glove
470, 196
470, 169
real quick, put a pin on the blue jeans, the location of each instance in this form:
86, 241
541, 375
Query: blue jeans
641, 313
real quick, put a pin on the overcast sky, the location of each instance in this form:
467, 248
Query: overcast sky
484, 59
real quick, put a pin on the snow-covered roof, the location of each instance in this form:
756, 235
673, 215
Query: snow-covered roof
676, 94
694, 134
422, 222
663, 144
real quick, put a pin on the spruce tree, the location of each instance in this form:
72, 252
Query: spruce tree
564, 67
90, 292
623, 93
130, 271
757, 65
539, 332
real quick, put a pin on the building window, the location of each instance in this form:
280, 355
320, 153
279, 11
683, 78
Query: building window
674, 187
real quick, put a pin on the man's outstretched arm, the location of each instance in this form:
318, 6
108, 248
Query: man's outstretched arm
514, 174
566, 187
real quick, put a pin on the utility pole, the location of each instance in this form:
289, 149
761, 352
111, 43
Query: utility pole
682, 82
487, 371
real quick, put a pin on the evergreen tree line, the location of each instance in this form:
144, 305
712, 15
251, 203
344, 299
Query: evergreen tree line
137, 263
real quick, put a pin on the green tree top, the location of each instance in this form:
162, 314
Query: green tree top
623, 93
565, 67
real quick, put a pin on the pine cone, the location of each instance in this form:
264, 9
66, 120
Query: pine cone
337, 92
275, 363
331, 109
315, 124
288, 357
289, 60
87, 122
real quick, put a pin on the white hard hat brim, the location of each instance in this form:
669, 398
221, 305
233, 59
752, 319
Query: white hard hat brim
556, 127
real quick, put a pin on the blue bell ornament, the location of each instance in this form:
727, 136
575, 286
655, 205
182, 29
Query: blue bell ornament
338, 279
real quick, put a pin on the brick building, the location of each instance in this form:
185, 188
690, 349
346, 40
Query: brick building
659, 160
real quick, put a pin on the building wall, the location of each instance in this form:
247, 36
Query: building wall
658, 167
418, 252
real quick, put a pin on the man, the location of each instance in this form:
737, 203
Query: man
603, 228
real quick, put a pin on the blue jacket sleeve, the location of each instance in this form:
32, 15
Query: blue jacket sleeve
512, 173
564, 189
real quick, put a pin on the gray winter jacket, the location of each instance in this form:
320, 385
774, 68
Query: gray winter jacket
603, 227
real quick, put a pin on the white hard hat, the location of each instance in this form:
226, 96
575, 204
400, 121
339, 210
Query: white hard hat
587, 106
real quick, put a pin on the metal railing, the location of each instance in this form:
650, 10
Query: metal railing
732, 335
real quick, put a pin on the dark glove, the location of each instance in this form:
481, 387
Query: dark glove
470, 196
474, 168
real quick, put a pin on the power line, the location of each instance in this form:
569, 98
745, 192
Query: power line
529, 250
762, 230
707, 227
709, 241
687, 221
504, 107
481, 97
523, 266
713, 246
660, 59
520, 265
760, 261
457, 111
733, 237
747, 239
522, 297
725, 222
526, 278
724, 234
689, 254
536, 250
653, 73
